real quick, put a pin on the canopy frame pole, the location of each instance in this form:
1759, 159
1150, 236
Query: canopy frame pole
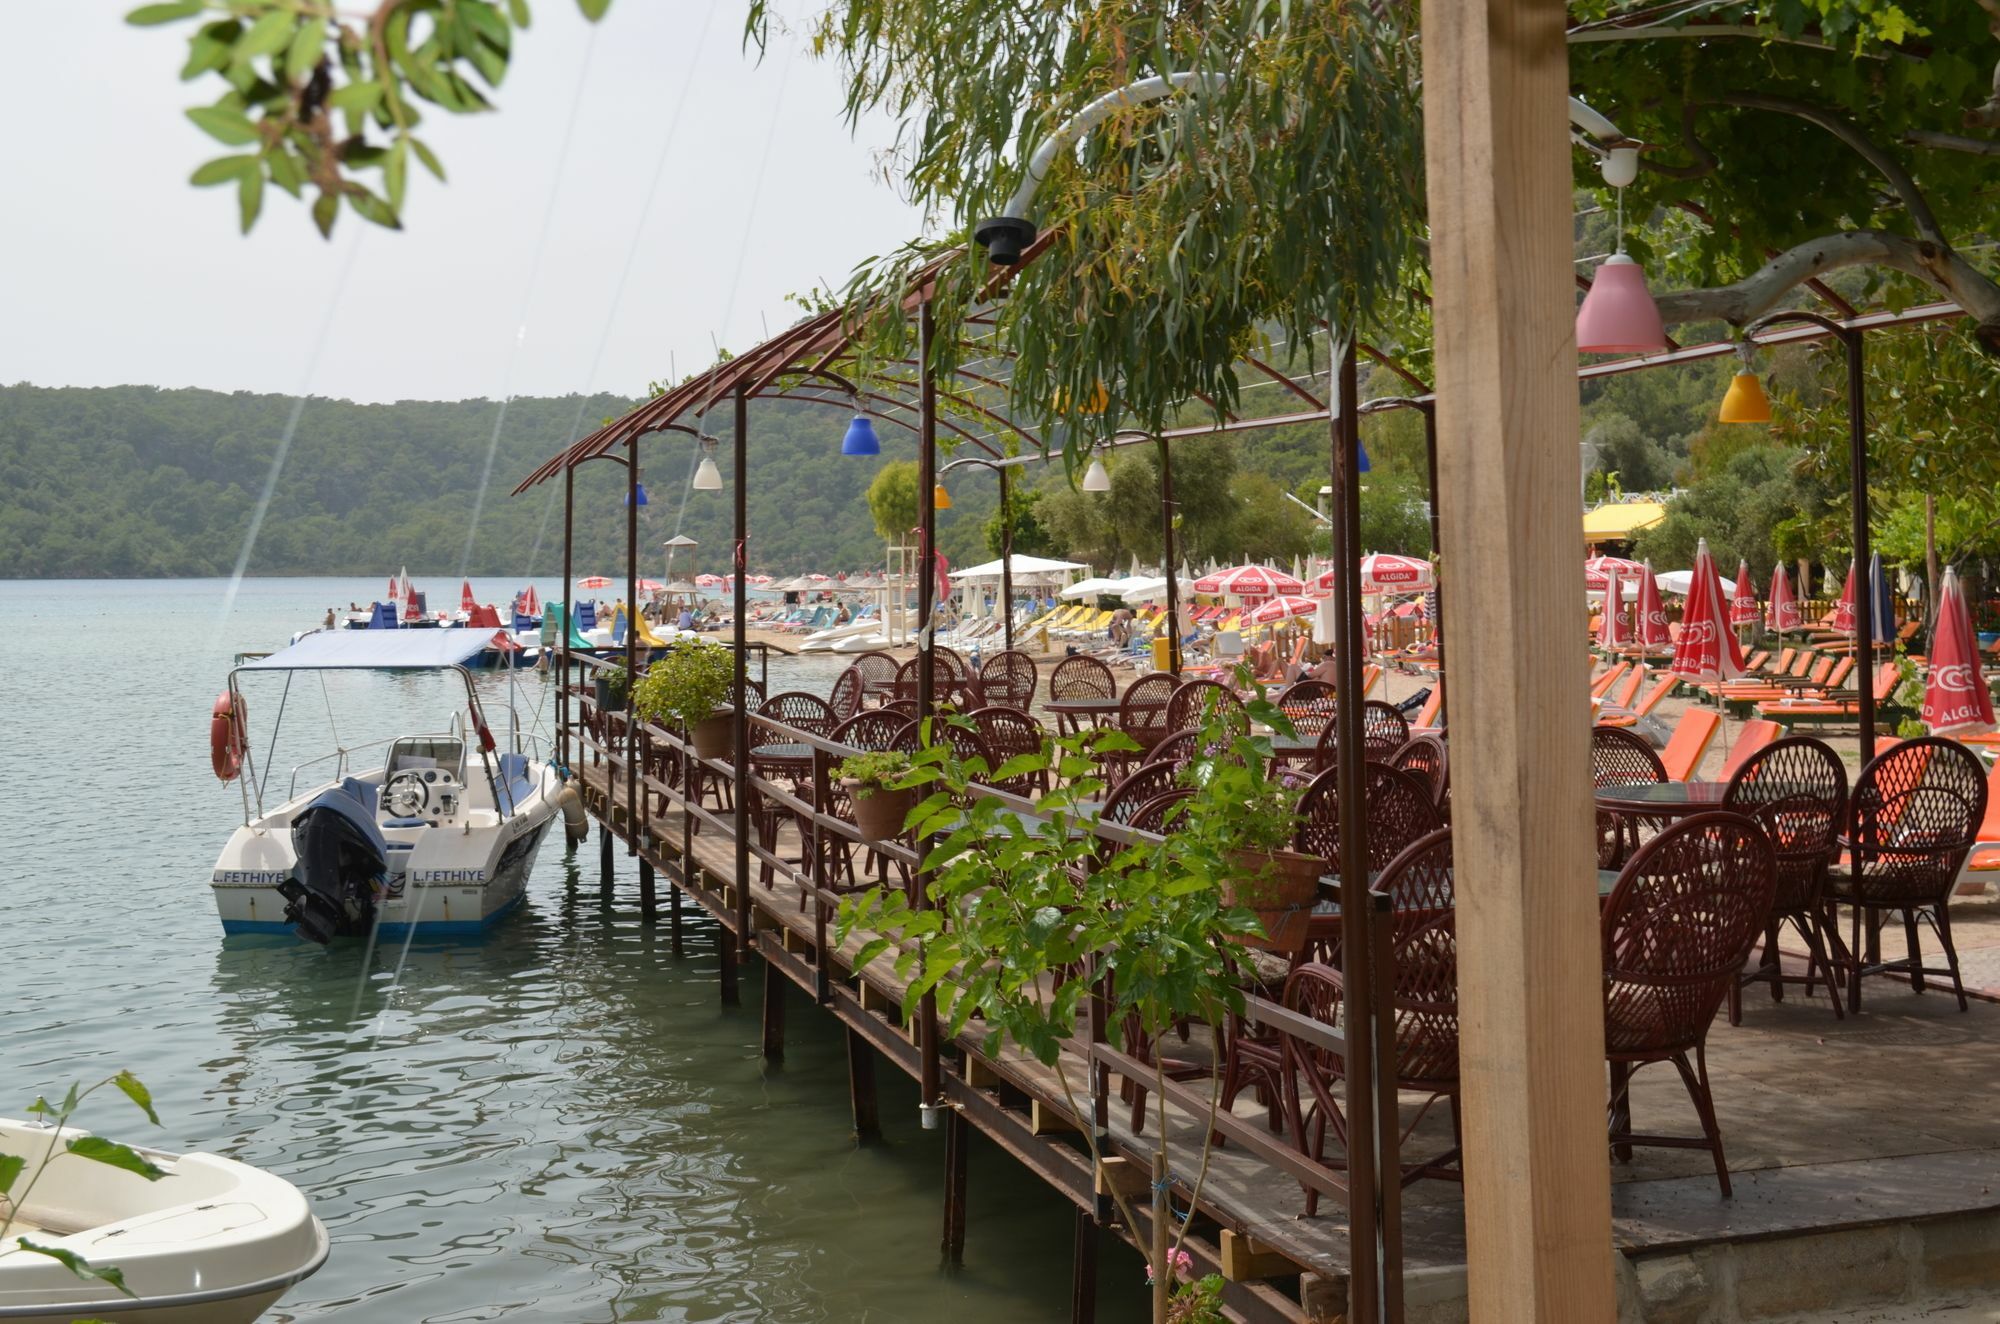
740, 686
632, 823
1168, 507
1857, 486
932, 1070
563, 706
1006, 564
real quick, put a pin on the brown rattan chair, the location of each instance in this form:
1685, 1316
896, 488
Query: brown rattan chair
1142, 714
872, 730
1008, 733
877, 672
1010, 678
1399, 811
1620, 758
1195, 703
796, 708
1914, 815
1796, 789
1423, 956
1152, 815
1310, 705
1080, 678
1677, 928
1424, 758
1384, 729
1147, 781
845, 696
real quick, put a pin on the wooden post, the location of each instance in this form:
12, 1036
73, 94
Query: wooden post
674, 912
649, 902
957, 1140
861, 1087
1083, 1271
774, 1012
1537, 1174
604, 854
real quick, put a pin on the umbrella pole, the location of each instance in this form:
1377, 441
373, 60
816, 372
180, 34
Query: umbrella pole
1167, 555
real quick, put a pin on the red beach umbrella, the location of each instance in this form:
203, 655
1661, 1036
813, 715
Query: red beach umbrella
1384, 572
1597, 569
1707, 649
1784, 612
1249, 581
1956, 700
1843, 613
1743, 607
1614, 631
1652, 616
594, 581
1284, 607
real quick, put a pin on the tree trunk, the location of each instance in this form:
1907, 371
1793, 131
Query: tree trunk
1930, 559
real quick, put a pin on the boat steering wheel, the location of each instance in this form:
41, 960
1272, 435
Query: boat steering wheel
406, 796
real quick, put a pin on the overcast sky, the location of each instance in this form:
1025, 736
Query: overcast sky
116, 271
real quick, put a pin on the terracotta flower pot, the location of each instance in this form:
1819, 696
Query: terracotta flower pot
715, 736
1279, 887
879, 813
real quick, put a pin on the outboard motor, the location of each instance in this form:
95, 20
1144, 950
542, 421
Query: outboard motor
342, 869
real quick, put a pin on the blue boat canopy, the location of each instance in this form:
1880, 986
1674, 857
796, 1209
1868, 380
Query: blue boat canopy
377, 650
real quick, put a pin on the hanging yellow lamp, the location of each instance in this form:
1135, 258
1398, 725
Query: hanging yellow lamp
940, 499
1746, 401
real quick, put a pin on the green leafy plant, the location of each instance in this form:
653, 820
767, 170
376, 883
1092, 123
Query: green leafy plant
616, 679
95, 1149
686, 683
1016, 905
879, 770
317, 94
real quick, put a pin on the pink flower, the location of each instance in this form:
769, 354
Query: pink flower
1183, 1265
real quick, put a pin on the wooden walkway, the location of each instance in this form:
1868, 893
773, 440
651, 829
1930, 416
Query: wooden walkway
1823, 1134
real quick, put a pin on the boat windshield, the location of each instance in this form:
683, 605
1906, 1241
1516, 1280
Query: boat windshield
425, 752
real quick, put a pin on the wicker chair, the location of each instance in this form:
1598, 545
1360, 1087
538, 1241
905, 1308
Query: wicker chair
845, 697
1677, 928
1184, 747
1423, 947
1620, 758
1010, 678
1142, 714
796, 708
1008, 733
1425, 758
1152, 815
870, 730
1081, 678
1915, 814
1384, 729
1310, 705
1400, 811
1796, 790
1129, 796
877, 672
1196, 702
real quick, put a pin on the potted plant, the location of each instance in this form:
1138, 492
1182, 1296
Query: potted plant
881, 803
1270, 880
612, 683
687, 687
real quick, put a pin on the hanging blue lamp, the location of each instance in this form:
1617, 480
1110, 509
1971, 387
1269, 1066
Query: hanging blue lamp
1361, 464
636, 497
860, 439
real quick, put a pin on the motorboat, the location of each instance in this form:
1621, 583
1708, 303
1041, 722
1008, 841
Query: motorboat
438, 838
212, 1242
861, 643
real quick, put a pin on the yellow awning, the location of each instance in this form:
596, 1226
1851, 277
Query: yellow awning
1621, 519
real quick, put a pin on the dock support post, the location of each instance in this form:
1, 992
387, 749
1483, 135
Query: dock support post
1499, 161
739, 950
604, 856
1083, 1271
774, 1012
649, 902
861, 1087
957, 1140
674, 914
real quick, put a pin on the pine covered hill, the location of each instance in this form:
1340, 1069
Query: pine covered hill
133, 481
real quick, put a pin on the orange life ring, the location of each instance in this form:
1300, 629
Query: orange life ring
226, 741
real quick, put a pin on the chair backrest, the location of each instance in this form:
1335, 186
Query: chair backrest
1654, 697
845, 697
1842, 672
1619, 758
872, 730
1399, 810
1915, 812
1886, 677
1142, 709
1433, 708
1371, 676
1689, 743
1146, 781
1423, 958
1623, 695
1989, 823
1821, 670
1310, 706
949, 662
1152, 815
1751, 737
1082, 678
1677, 928
1796, 790
877, 670
1384, 729
1425, 758
1010, 678
907, 681
1194, 703
1609, 677
807, 712
1008, 733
